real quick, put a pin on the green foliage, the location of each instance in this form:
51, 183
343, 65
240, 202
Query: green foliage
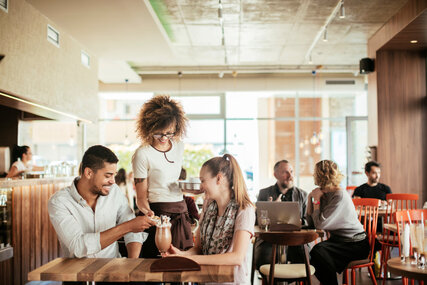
194, 157
125, 159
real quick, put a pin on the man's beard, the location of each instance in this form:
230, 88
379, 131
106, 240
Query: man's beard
98, 191
285, 185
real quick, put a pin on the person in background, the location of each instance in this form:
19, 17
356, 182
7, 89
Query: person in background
91, 214
330, 209
227, 222
121, 181
191, 205
157, 164
22, 156
283, 190
373, 188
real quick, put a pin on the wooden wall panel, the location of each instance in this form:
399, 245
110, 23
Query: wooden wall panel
6, 266
34, 239
402, 142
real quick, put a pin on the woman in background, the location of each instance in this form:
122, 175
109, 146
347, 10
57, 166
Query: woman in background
227, 222
121, 181
331, 209
157, 163
22, 156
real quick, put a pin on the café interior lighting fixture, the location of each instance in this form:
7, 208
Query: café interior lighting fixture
342, 10
325, 34
413, 41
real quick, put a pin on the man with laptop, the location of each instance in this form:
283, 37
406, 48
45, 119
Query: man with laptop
283, 191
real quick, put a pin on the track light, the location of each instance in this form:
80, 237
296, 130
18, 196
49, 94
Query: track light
342, 10
325, 35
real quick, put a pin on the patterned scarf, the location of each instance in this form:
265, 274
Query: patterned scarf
217, 232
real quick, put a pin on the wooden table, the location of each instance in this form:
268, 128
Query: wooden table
406, 269
390, 227
124, 270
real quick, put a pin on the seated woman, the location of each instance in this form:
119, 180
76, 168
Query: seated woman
227, 220
22, 156
330, 208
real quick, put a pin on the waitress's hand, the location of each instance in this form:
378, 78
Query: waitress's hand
172, 251
149, 213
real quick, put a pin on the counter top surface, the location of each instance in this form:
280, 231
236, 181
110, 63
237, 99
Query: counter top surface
7, 182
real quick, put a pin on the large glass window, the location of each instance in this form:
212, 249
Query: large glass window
258, 128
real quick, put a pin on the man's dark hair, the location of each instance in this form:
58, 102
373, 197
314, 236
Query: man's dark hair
96, 156
369, 165
279, 162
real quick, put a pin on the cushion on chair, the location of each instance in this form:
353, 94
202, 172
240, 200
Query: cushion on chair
358, 262
286, 271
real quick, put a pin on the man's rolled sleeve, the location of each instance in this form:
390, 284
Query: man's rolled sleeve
70, 234
125, 214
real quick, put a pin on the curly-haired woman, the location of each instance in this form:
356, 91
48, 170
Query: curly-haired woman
157, 163
330, 208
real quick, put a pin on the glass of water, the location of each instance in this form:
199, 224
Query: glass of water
264, 220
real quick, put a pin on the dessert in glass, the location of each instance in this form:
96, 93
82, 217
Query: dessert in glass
163, 237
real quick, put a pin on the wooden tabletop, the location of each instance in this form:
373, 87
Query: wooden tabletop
390, 227
406, 269
124, 270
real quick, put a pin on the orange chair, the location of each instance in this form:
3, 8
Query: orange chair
367, 209
414, 216
396, 202
350, 190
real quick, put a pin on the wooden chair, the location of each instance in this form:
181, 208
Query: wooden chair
388, 239
415, 217
288, 272
367, 210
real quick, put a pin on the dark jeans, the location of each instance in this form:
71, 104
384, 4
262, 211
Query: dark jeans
332, 256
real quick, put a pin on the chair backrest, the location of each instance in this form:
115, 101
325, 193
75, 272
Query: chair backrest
350, 190
367, 209
416, 216
289, 238
399, 202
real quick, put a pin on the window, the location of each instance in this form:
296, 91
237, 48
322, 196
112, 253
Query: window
4, 4
52, 35
85, 59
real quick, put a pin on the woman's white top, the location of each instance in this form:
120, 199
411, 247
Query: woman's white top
161, 169
21, 166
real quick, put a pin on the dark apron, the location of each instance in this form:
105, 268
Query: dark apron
182, 237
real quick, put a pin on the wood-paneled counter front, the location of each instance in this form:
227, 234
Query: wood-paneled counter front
34, 240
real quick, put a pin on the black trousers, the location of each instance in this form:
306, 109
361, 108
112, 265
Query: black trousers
332, 256
294, 254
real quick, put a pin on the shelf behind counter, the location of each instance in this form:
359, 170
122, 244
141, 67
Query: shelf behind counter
32, 236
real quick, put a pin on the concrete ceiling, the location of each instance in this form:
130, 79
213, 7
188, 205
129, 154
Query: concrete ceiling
165, 36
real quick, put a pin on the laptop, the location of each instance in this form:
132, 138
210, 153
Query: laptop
284, 216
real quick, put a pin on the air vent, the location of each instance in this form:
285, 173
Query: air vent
52, 35
85, 59
340, 82
4, 4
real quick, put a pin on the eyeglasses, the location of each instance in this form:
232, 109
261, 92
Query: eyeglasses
168, 135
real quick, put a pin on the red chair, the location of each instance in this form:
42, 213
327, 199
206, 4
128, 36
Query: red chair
413, 216
367, 210
396, 202
350, 190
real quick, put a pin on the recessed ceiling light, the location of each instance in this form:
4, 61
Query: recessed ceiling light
414, 41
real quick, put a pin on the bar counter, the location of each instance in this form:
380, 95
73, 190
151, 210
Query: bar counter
31, 235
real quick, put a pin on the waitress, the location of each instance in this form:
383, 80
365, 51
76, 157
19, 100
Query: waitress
22, 156
157, 163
